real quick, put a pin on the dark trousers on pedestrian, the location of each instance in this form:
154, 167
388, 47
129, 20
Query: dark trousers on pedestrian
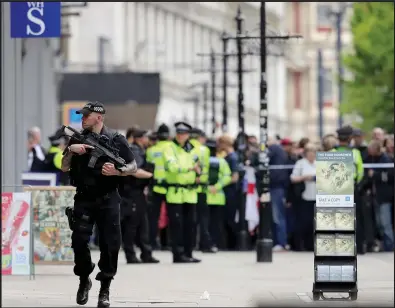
182, 219
367, 204
359, 213
203, 216
134, 226
304, 227
156, 201
216, 225
105, 212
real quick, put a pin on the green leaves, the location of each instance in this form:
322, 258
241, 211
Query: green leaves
369, 93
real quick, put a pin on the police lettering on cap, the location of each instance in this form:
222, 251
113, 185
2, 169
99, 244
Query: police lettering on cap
92, 107
182, 127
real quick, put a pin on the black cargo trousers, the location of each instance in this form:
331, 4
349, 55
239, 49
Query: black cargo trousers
134, 224
105, 212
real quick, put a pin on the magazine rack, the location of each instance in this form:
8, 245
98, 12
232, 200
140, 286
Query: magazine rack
335, 269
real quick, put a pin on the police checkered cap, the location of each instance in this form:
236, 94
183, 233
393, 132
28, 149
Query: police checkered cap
92, 107
182, 127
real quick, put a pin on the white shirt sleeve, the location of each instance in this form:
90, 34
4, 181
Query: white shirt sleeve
39, 152
297, 170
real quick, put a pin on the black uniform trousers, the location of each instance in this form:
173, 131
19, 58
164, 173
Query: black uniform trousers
216, 225
156, 201
105, 212
134, 225
182, 219
203, 216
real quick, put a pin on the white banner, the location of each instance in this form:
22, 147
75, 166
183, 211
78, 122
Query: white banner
334, 200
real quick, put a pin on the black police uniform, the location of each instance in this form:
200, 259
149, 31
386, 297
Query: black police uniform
344, 135
134, 220
96, 201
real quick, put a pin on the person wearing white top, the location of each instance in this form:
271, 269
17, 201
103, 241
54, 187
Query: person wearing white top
304, 172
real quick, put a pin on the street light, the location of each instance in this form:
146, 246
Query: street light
339, 15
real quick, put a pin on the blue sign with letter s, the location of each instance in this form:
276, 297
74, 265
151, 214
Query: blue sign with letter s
35, 19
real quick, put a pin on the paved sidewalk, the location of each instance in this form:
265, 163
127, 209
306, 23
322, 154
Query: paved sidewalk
232, 279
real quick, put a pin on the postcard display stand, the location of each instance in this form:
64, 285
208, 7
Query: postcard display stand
335, 255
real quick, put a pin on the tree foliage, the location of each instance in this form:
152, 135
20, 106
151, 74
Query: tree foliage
369, 92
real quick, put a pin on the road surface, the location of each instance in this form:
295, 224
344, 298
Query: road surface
232, 279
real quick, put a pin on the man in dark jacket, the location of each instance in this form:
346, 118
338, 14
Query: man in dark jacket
134, 220
291, 198
382, 186
279, 179
359, 142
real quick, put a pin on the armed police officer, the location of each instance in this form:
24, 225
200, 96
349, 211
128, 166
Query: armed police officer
158, 191
96, 201
181, 196
134, 220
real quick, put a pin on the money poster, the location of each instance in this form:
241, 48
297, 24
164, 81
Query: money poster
345, 244
344, 219
52, 235
335, 219
325, 219
325, 245
335, 179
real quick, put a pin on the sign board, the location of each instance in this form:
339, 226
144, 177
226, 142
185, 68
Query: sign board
335, 179
39, 179
35, 19
16, 234
69, 117
51, 231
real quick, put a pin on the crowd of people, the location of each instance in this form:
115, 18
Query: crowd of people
221, 185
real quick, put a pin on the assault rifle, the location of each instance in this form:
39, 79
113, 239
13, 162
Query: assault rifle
100, 144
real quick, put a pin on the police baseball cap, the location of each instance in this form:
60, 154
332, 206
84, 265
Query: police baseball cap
198, 132
139, 133
92, 107
211, 143
357, 132
182, 128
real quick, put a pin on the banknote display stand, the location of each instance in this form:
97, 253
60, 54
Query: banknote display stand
335, 252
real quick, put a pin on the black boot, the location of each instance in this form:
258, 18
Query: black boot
132, 260
181, 259
83, 290
148, 258
104, 294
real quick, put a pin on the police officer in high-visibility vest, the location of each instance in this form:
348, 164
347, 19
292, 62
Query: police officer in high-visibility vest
219, 176
154, 155
53, 159
344, 137
202, 156
181, 196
